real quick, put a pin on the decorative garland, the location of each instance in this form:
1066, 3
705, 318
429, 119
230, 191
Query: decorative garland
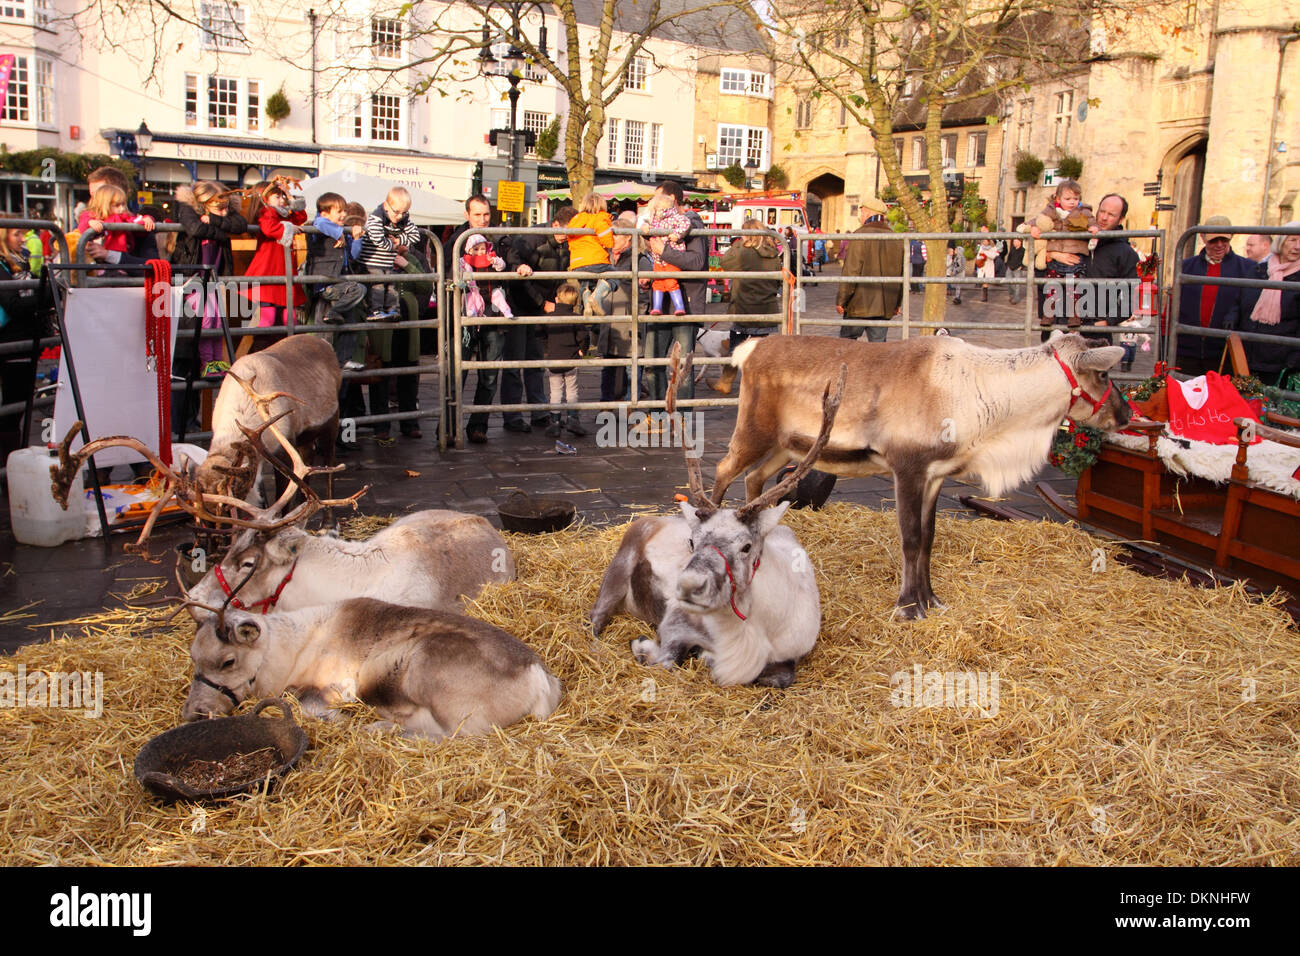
1075, 448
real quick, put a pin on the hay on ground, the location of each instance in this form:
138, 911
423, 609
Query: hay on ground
1139, 721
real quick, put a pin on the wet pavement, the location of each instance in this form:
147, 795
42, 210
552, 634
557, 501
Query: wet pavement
607, 485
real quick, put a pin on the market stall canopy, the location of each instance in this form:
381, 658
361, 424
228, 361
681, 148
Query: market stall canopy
427, 208
627, 189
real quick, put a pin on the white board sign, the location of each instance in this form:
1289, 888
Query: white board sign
105, 332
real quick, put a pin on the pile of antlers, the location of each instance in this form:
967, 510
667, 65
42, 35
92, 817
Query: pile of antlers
214, 509
831, 399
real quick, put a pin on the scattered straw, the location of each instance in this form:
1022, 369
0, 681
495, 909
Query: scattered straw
1140, 721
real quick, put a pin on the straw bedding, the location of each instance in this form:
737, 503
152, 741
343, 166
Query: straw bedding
1121, 733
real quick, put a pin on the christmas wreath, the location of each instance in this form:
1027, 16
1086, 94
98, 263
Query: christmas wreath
1075, 448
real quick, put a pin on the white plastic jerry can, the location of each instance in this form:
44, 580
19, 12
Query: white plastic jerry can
36, 517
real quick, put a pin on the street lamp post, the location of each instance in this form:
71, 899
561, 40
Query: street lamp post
143, 140
511, 66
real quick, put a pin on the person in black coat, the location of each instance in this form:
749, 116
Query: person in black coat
1210, 306
565, 343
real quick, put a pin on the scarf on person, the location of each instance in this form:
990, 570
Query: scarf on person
1268, 310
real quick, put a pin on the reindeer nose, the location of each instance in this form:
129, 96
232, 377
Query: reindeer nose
693, 587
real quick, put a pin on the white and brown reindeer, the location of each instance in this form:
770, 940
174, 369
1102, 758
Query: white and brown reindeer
433, 559
925, 409
432, 673
733, 585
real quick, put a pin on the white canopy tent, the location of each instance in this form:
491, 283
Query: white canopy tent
427, 208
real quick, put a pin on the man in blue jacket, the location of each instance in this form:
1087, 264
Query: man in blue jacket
1210, 306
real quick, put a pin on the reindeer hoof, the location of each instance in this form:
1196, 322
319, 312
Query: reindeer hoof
911, 611
642, 649
778, 674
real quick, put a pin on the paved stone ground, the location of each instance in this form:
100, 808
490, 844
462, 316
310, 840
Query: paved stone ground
55, 584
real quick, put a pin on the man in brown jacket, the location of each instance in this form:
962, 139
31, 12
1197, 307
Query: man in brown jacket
860, 300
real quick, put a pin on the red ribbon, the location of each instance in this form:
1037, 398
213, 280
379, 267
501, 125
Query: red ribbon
157, 345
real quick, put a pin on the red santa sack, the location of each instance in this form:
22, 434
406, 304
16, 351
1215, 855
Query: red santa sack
1203, 408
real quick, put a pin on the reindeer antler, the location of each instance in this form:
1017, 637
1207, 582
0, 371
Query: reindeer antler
693, 479
831, 399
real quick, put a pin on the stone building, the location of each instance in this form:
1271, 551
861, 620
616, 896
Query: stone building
1206, 101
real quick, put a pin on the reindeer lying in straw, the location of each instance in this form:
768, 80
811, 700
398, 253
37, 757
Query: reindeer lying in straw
431, 673
734, 584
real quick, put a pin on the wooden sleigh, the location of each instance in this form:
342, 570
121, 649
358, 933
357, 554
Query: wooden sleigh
1239, 529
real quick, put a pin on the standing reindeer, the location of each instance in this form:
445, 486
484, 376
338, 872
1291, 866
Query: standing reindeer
925, 409
733, 584
298, 381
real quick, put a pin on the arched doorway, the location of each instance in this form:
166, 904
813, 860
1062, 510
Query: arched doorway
1184, 169
828, 189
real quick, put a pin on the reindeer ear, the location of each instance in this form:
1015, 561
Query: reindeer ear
1100, 359
689, 510
279, 550
247, 632
769, 518
1056, 334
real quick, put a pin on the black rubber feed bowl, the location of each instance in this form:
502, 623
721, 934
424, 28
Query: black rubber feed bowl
813, 488
525, 514
215, 740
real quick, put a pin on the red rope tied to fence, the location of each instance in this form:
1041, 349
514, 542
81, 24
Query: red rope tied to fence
157, 345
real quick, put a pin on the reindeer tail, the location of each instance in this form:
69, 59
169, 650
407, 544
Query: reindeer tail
741, 352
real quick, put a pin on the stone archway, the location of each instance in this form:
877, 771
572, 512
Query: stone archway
1184, 169
828, 190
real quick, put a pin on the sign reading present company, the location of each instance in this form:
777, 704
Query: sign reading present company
449, 177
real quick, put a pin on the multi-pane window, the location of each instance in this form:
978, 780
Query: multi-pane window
976, 144
1064, 111
254, 105
633, 142
844, 114
44, 91
948, 148
652, 145
909, 84
222, 26
350, 123
1026, 124
918, 152
1018, 199
191, 100
745, 82
742, 145
731, 145
223, 102
612, 135
385, 118
40, 14
636, 73
536, 122
756, 148
803, 113
898, 148
18, 104
386, 38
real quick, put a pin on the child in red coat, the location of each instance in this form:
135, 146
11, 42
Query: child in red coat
108, 204
271, 211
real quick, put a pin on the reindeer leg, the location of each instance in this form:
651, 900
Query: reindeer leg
909, 502
928, 507
745, 451
764, 470
326, 450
